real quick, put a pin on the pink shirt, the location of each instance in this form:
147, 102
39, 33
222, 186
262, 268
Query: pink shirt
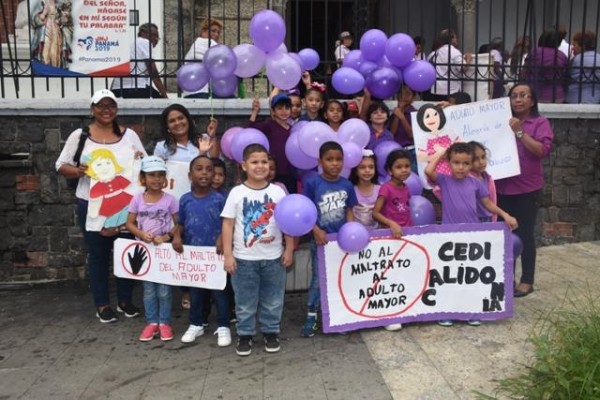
395, 206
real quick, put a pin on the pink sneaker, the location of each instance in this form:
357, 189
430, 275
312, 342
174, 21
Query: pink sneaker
149, 332
166, 332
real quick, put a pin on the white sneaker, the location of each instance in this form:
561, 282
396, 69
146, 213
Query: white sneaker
393, 327
223, 336
193, 332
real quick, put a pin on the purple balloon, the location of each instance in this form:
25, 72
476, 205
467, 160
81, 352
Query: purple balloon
353, 237
296, 58
224, 87
366, 67
298, 126
296, 156
267, 30
313, 135
383, 83
220, 61
419, 75
243, 139
192, 76
355, 130
372, 44
400, 49
295, 215
415, 187
227, 138
384, 62
310, 59
346, 172
353, 60
347, 81
382, 150
352, 155
383, 179
517, 246
283, 71
421, 211
250, 60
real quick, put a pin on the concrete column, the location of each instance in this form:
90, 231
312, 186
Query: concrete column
465, 11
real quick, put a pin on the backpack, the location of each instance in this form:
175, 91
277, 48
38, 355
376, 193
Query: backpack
85, 133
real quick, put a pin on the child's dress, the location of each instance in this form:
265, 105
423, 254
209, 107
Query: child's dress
363, 211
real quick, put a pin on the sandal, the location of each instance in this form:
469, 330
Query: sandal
185, 301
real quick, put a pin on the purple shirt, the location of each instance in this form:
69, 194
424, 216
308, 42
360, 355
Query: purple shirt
363, 211
155, 218
460, 198
374, 141
532, 175
395, 206
277, 136
546, 70
401, 136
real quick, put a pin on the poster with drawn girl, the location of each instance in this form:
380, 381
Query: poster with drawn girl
436, 128
114, 181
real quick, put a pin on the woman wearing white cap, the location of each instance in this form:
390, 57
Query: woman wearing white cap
102, 133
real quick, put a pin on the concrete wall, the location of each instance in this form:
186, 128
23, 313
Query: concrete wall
40, 239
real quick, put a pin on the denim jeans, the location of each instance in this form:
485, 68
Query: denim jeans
157, 303
198, 298
99, 260
259, 287
314, 290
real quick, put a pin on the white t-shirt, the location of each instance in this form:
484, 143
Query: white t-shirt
196, 52
340, 53
256, 236
448, 76
139, 52
129, 142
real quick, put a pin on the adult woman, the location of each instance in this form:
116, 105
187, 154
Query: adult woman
210, 33
546, 67
450, 65
584, 70
105, 134
519, 195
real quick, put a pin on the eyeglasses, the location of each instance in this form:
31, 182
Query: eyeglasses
106, 107
516, 96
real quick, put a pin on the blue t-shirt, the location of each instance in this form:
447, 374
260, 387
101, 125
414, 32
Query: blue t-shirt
460, 198
201, 218
332, 199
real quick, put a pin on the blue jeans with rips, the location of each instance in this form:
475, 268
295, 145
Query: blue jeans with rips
157, 303
314, 290
99, 259
259, 287
198, 298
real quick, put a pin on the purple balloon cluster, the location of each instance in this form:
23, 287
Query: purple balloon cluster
381, 65
217, 67
236, 139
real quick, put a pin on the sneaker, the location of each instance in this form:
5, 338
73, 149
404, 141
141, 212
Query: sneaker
445, 322
106, 315
393, 327
310, 326
128, 309
244, 346
272, 343
474, 322
223, 336
193, 332
149, 332
166, 332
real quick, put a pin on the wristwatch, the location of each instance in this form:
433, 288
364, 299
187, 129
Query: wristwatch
519, 134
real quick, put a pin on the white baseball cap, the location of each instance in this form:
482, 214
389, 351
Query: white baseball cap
101, 94
153, 164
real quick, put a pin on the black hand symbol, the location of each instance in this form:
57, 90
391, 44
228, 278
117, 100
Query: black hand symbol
137, 261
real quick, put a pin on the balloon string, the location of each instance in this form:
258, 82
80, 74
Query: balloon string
210, 97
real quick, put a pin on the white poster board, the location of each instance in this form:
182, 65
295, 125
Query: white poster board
178, 182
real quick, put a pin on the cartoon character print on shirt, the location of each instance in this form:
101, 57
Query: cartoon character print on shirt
333, 207
257, 216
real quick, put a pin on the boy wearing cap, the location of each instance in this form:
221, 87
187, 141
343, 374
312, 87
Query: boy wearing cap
343, 48
152, 218
277, 131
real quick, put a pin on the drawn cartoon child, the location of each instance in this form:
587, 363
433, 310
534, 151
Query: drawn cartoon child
431, 119
108, 197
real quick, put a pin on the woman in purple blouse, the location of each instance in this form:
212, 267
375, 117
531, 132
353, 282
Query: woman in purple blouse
519, 195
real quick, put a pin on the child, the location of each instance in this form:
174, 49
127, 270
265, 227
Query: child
314, 99
273, 174
461, 192
200, 225
296, 108
401, 125
254, 253
152, 217
377, 117
277, 131
366, 188
334, 197
218, 181
479, 172
334, 114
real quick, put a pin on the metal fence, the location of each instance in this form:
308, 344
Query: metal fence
512, 32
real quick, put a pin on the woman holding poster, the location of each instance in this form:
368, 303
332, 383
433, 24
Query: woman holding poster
104, 136
519, 195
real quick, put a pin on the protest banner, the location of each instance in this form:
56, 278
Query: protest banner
432, 273
196, 266
486, 122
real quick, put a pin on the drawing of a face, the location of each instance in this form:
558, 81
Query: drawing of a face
104, 168
431, 119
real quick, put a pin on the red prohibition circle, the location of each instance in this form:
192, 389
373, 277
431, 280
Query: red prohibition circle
125, 266
394, 257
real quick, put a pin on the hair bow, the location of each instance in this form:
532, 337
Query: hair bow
367, 153
319, 86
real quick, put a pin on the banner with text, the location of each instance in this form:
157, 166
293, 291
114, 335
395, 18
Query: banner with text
197, 266
435, 272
